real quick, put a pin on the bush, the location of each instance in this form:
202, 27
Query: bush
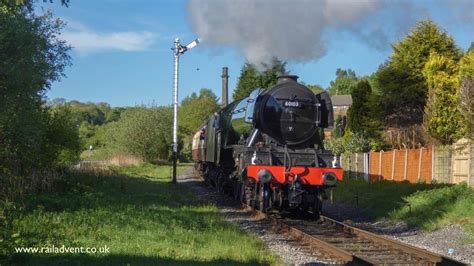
143, 132
348, 144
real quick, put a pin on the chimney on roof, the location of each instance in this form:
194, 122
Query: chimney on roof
225, 85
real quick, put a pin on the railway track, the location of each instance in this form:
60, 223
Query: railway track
349, 245
353, 246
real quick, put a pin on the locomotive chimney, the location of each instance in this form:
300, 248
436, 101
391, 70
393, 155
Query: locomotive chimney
225, 85
287, 78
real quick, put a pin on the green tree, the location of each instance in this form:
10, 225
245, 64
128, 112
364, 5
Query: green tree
250, 78
315, 88
471, 48
31, 58
466, 77
401, 83
344, 82
143, 132
62, 138
195, 110
359, 119
442, 116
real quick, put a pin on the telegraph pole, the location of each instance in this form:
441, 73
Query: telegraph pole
177, 50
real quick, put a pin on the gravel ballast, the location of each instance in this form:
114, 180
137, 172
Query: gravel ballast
448, 241
291, 252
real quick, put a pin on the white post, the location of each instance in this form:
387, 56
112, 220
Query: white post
433, 177
469, 161
419, 164
357, 165
177, 47
380, 165
406, 163
393, 162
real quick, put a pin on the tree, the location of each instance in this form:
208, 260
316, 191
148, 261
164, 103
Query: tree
62, 138
142, 132
471, 48
195, 110
31, 58
250, 78
359, 118
401, 83
315, 88
442, 116
344, 82
466, 77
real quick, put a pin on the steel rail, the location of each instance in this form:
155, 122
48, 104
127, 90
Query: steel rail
412, 250
409, 255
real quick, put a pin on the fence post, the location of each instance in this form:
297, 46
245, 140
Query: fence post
366, 166
357, 165
433, 177
380, 165
393, 162
406, 162
469, 160
419, 163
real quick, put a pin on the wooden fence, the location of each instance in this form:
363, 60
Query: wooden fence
440, 164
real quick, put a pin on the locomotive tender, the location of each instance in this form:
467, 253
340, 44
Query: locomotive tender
267, 148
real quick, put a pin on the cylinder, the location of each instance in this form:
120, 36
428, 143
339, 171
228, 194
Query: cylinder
225, 85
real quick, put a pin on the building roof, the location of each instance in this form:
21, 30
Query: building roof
341, 100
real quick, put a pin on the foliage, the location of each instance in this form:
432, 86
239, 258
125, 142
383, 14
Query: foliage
400, 81
466, 76
344, 82
426, 206
315, 88
143, 132
136, 212
27, 73
358, 115
348, 144
62, 138
91, 119
434, 208
195, 110
250, 78
442, 116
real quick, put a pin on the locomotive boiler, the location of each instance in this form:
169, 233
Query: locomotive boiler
267, 149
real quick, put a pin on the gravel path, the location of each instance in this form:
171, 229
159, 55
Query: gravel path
448, 241
292, 252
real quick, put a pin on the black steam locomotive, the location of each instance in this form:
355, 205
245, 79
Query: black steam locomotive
267, 148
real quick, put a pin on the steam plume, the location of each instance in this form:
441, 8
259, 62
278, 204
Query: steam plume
298, 30
264, 29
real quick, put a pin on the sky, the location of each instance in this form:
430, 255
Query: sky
122, 48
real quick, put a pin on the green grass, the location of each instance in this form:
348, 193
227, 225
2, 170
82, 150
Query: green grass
426, 206
137, 213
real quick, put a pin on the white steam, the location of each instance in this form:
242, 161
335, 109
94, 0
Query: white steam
288, 30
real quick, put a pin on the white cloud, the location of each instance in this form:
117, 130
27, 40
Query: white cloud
85, 40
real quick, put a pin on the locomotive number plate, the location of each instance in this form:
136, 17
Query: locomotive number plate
294, 104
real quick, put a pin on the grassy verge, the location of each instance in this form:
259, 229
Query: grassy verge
427, 206
135, 212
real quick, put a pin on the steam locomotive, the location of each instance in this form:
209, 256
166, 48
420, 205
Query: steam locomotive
267, 149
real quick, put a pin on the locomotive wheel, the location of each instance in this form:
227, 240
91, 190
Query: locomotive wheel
261, 197
236, 190
241, 192
255, 195
248, 195
317, 207
220, 184
280, 200
264, 201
